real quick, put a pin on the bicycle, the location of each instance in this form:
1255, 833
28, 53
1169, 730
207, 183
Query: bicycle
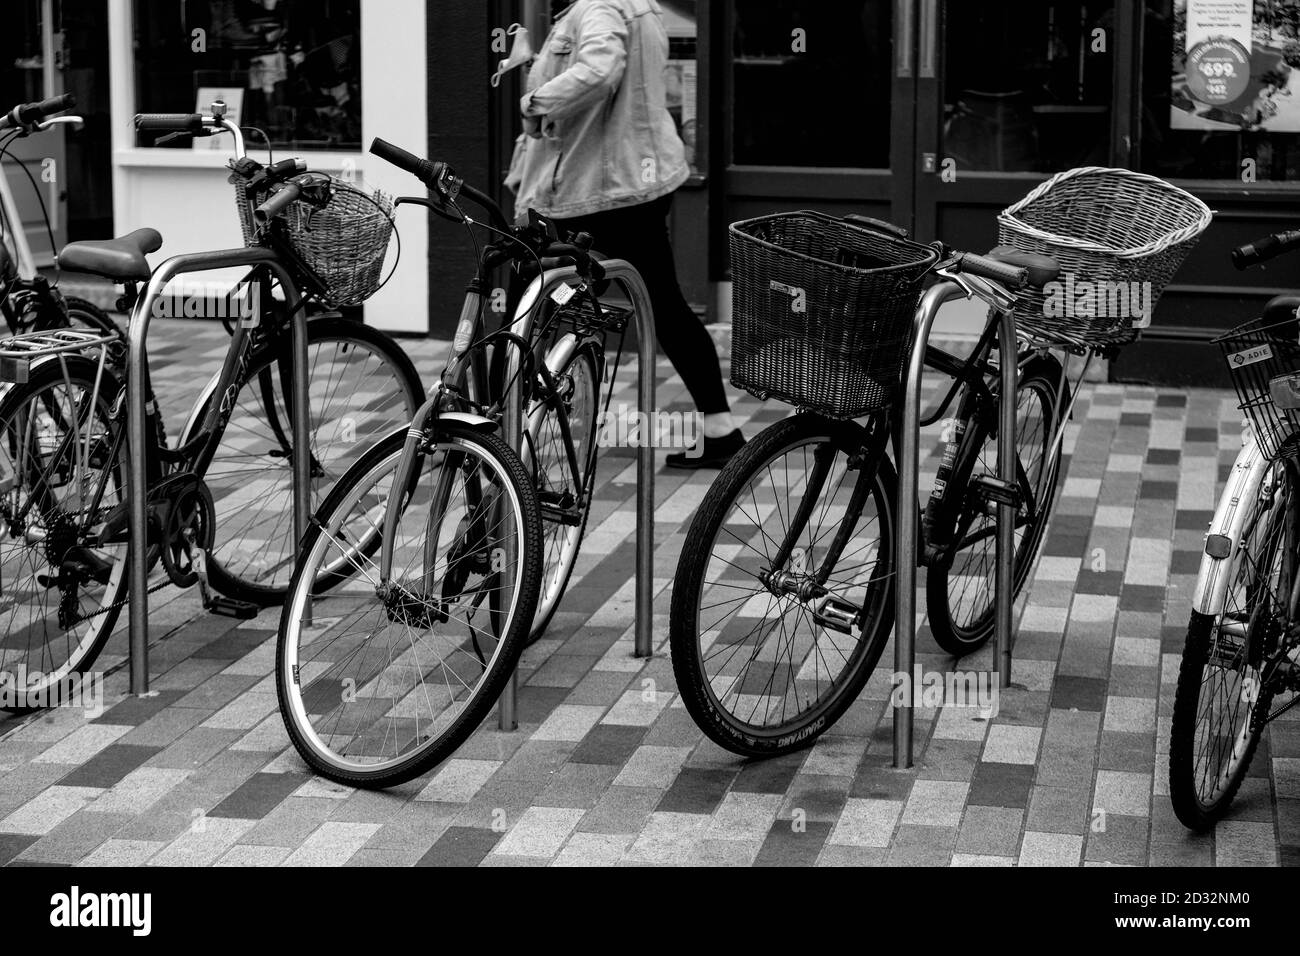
64, 463
1239, 663
30, 301
479, 529
783, 598
795, 539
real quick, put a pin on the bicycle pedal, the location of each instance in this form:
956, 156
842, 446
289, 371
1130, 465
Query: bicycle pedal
992, 489
229, 607
838, 615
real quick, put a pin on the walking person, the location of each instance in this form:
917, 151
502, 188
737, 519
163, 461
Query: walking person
600, 154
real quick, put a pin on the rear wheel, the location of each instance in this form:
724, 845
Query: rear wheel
394, 675
959, 591
767, 658
362, 385
564, 494
1222, 695
60, 591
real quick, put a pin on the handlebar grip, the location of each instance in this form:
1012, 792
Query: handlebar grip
55, 104
421, 169
277, 203
170, 122
1013, 277
28, 114
1261, 250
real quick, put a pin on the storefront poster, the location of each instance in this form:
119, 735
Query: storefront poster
1236, 65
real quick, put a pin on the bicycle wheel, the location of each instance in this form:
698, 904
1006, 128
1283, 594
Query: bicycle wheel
88, 315
562, 492
767, 658
362, 385
1222, 696
959, 591
60, 475
394, 676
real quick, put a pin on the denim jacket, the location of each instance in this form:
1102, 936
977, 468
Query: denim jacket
598, 134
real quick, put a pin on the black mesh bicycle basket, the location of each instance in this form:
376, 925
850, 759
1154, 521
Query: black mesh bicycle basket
822, 311
1257, 353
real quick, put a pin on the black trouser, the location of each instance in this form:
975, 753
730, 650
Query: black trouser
639, 234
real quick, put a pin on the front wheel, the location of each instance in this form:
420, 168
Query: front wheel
783, 598
1223, 697
395, 673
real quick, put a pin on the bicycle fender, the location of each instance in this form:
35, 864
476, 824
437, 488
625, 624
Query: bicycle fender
478, 423
1230, 517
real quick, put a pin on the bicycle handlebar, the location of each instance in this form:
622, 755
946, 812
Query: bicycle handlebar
439, 177
278, 202
170, 122
29, 114
1261, 250
1013, 277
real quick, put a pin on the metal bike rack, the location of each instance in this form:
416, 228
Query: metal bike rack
137, 483
620, 271
907, 510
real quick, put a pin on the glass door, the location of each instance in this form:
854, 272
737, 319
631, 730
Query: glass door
1008, 93
815, 103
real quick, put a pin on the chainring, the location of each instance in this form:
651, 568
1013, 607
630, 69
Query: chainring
184, 516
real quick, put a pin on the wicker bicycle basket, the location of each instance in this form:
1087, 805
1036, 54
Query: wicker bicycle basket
1256, 353
1119, 237
343, 244
822, 311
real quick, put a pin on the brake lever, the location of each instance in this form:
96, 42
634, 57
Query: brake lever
978, 288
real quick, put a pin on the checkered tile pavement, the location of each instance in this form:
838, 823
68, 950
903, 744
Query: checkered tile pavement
607, 767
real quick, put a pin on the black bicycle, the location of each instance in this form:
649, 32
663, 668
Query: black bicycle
220, 498
784, 594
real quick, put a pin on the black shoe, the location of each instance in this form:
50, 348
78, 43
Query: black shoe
708, 452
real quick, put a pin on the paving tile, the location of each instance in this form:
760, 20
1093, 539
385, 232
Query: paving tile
540, 832
1050, 849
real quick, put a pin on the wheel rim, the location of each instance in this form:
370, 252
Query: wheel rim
970, 578
356, 683
768, 664
38, 529
547, 461
1231, 689
356, 396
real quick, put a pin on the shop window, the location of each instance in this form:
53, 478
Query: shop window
1221, 90
289, 68
683, 74
1028, 85
812, 83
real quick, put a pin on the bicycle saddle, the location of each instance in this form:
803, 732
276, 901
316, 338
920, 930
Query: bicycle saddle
1282, 308
1042, 269
122, 259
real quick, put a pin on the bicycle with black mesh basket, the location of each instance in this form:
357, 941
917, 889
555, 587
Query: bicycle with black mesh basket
67, 533
783, 599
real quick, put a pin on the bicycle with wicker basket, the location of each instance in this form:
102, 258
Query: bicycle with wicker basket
1240, 667
220, 498
783, 599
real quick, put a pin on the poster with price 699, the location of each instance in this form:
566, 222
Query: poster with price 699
1236, 65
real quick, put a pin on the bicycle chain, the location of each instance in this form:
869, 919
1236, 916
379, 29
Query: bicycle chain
117, 605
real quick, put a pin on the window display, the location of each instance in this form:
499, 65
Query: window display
297, 65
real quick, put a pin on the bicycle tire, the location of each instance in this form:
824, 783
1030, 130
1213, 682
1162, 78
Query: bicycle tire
1205, 637
78, 372
89, 315
957, 633
694, 680
368, 473
560, 550
245, 576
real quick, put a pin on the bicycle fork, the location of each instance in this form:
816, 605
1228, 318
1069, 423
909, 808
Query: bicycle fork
795, 580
